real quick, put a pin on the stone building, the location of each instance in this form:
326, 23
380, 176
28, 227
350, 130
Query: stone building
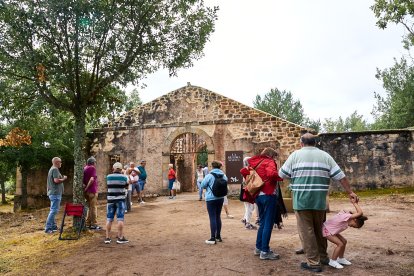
182, 125
192, 122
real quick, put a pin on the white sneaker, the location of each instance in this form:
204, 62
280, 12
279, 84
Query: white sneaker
142, 202
335, 264
343, 261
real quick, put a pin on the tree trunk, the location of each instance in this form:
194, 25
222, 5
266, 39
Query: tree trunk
78, 155
3, 192
24, 187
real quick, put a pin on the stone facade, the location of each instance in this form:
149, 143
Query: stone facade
149, 132
372, 159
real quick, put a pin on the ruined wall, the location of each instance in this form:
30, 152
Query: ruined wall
226, 125
37, 187
373, 159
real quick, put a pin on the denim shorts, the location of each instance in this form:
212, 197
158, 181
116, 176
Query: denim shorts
170, 183
141, 184
116, 207
135, 187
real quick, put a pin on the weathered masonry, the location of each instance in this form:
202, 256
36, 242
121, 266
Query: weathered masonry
182, 125
373, 159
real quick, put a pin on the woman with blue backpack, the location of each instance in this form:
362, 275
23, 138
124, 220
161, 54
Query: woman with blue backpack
215, 184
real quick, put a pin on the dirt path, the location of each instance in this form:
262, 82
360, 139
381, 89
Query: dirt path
167, 238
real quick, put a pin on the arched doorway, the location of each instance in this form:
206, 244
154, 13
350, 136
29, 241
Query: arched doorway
186, 150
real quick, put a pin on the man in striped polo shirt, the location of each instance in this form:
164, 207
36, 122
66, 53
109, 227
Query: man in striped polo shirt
117, 183
310, 171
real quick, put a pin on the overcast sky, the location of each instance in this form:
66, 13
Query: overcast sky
325, 52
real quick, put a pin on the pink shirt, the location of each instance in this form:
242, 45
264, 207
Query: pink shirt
336, 224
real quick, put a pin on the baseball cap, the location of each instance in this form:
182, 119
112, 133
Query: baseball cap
117, 165
91, 160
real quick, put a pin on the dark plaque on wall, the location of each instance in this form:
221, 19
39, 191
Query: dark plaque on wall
234, 163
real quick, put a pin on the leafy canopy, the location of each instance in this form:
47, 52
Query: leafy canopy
396, 108
281, 104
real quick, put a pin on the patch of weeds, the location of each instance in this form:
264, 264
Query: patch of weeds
376, 192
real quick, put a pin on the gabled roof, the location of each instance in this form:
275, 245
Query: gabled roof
192, 104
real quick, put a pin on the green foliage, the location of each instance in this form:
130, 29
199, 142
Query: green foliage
74, 55
398, 12
354, 122
133, 100
281, 104
396, 108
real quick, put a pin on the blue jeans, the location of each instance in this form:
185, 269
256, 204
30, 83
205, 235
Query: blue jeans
214, 211
54, 209
267, 209
200, 191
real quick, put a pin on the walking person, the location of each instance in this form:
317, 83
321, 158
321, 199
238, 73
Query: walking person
310, 170
200, 177
171, 180
141, 181
332, 228
214, 204
117, 183
90, 183
266, 168
248, 207
54, 191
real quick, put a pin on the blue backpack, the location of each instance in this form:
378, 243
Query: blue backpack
219, 188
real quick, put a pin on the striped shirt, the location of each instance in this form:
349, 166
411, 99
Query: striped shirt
117, 184
310, 171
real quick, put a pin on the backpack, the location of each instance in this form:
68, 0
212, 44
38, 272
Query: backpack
219, 188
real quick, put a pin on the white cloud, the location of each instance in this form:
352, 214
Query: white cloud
324, 52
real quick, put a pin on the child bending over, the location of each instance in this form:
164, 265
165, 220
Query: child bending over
335, 225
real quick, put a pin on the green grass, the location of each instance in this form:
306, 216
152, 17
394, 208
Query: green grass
376, 192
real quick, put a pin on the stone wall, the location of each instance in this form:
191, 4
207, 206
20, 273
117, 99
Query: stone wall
147, 132
372, 160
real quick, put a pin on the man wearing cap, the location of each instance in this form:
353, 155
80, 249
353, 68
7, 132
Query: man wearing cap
142, 180
116, 182
310, 170
54, 191
90, 185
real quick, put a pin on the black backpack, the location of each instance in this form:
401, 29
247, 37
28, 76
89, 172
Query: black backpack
219, 188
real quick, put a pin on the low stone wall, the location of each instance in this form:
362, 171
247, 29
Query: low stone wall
374, 159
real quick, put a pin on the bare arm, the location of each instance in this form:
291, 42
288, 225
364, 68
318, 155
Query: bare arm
89, 183
59, 180
345, 183
358, 209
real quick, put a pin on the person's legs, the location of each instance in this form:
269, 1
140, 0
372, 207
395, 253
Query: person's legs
54, 209
120, 211
267, 214
170, 186
305, 224
200, 191
141, 184
211, 209
319, 218
93, 209
135, 187
88, 216
219, 206
110, 214
339, 246
344, 242
128, 201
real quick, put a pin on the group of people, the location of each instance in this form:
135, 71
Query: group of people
309, 170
